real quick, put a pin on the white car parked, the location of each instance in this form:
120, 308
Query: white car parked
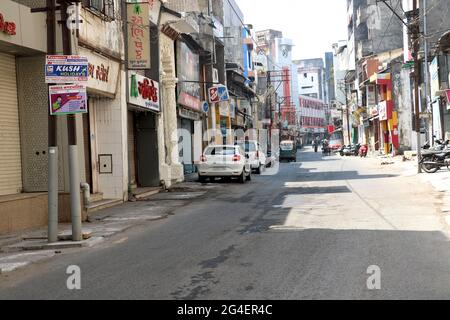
256, 156
224, 161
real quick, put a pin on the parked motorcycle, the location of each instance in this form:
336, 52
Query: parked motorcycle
435, 158
350, 150
438, 146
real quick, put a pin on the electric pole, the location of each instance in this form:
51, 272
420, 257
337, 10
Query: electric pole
414, 29
53, 185
74, 173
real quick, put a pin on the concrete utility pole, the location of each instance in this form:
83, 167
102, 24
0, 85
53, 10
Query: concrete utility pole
53, 185
426, 68
74, 173
414, 30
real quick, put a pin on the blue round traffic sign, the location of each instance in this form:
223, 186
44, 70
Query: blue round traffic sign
205, 107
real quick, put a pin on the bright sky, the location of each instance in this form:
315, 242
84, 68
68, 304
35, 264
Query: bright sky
314, 25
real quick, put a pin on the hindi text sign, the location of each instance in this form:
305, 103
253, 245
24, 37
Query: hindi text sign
138, 36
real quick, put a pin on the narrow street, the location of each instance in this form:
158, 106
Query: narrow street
309, 232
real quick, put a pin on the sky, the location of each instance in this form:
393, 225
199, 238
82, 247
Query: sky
313, 25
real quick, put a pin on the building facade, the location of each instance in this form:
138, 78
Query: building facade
311, 78
375, 41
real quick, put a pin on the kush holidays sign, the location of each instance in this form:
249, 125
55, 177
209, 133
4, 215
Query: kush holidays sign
67, 99
144, 92
66, 69
138, 18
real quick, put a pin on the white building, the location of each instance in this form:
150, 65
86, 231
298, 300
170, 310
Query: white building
311, 78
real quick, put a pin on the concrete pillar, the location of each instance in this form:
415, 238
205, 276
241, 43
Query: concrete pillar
174, 168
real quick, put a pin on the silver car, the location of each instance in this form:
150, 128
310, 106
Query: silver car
256, 156
224, 161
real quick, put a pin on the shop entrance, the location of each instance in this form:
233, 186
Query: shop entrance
142, 150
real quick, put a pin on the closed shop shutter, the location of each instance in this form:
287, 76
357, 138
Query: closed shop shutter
10, 155
131, 150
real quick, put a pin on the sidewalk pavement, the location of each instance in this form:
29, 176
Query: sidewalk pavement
439, 181
21, 249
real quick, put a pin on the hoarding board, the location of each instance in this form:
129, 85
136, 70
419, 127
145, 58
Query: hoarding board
67, 99
143, 92
218, 94
66, 69
138, 16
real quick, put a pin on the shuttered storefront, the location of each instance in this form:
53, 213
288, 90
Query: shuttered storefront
132, 150
10, 156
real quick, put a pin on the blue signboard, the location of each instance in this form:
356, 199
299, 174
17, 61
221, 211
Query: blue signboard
66, 69
205, 106
223, 93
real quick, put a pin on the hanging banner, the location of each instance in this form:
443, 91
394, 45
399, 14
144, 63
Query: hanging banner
67, 99
138, 35
434, 75
382, 111
66, 69
144, 92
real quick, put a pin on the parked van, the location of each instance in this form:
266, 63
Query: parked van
288, 151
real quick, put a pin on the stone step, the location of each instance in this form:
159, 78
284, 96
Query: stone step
103, 204
143, 193
96, 197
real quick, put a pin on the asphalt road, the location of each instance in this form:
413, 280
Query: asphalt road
309, 232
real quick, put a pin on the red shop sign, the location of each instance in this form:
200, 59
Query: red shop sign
7, 27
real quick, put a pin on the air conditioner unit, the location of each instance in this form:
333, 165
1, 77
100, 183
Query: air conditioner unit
215, 75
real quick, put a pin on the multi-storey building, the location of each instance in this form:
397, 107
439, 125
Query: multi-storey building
375, 42
275, 52
313, 117
434, 86
311, 78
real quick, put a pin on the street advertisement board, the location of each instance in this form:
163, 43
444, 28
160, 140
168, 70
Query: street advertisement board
188, 73
143, 92
382, 111
434, 75
66, 69
371, 96
233, 107
138, 35
224, 109
67, 99
218, 94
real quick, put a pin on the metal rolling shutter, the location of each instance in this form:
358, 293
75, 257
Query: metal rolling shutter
131, 150
10, 155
